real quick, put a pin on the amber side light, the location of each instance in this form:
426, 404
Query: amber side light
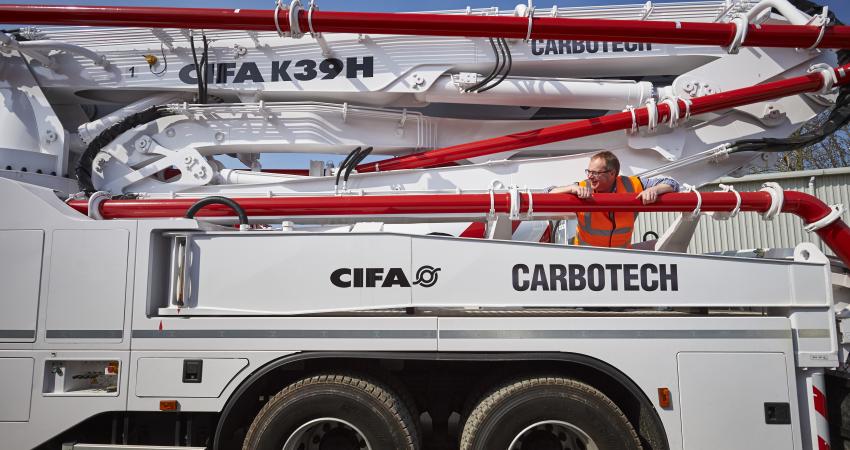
664, 400
168, 405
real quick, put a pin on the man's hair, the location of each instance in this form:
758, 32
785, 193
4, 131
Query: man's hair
611, 161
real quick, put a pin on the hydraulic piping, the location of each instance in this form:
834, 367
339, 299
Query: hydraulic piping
626, 120
216, 200
509, 27
343, 165
448, 207
357, 159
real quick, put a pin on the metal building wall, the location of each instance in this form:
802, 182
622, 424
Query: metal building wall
748, 230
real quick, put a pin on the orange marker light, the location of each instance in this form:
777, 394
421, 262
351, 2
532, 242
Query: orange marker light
664, 400
168, 405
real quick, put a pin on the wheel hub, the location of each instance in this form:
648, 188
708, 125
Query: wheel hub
327, 433
552, 435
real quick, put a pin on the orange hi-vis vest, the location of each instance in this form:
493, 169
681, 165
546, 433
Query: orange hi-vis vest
609, 229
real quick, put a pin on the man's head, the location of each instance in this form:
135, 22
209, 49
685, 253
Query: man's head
602, 171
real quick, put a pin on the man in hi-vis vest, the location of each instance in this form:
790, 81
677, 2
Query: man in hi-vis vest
609, 229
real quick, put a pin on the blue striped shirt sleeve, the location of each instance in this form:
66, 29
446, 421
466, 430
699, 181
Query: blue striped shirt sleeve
655, 181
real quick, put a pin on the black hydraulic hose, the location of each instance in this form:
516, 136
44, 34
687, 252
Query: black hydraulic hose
343, 164
649, 234
217, 200
838, 117
84, 164
359, 158
355, 161
200, 70
508, 66
503, 61
205, 61
493, 73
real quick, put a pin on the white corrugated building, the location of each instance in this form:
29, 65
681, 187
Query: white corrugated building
748, 230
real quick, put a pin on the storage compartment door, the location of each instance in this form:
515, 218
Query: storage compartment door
87, 288
727, 400
15, 389
20, 276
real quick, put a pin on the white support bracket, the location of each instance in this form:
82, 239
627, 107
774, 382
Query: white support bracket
292, 15
652, 112
819, 20
94, 204
717, 215
828, 74
529, 215
742, 22
499, 227
697, 210
530, 13
834, 214
777, 198
326, 49
647, 10
514, 213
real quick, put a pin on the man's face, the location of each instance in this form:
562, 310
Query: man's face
601, 179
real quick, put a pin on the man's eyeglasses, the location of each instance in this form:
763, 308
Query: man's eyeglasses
594, 174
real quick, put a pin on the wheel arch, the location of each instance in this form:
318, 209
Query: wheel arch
603, 376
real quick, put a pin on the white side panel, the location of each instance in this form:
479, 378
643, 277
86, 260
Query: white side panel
20, 276
87, 287
163, 377
723, 397
15, 389
291, 273
484, 273
31, 136
51, 414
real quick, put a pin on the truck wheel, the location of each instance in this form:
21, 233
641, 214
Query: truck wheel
333, 412
547, 413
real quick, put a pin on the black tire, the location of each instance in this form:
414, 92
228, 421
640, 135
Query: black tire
503, 414
374, 409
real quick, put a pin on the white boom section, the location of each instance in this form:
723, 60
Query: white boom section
533, 174
432, 271
424, 78
262, 64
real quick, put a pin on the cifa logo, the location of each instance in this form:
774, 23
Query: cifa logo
347, 277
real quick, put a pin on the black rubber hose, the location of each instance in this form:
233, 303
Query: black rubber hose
492, 74
838, 117
508, 66
647, 235
355, 161
216, 200
197, 67
84, 165
343, 164
499, 69
359, 158
205, 62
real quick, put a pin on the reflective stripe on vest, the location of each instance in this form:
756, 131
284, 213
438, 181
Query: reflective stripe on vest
597, 228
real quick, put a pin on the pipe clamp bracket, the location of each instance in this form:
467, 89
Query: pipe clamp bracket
834, 214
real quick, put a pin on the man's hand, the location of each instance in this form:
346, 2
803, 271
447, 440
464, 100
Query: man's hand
583, 192
650, 195
575, 189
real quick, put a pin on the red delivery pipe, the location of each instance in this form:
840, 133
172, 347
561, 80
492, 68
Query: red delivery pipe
692, 33
613, 122
835, 234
